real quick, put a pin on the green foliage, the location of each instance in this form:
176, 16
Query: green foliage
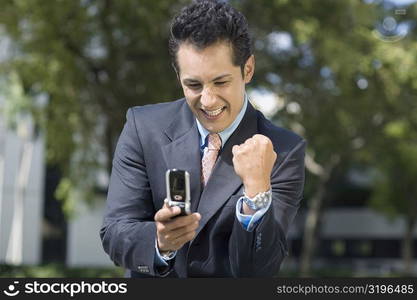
89, 61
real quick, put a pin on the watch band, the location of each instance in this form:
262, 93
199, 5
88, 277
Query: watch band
167, 255
260, 200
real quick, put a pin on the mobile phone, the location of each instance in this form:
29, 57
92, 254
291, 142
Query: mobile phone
178, 190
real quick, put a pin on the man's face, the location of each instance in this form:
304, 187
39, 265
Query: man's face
213, 87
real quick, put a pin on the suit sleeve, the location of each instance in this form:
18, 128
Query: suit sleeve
128, 231
260, 253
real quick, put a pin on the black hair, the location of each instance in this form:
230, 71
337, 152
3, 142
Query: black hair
205, 22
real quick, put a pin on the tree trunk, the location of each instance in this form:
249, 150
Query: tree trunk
310, 230
407, 246
314, 214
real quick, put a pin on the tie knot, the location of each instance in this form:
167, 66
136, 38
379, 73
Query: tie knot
214, 142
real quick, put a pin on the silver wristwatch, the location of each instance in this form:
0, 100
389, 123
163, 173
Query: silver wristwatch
260, 200
167, 255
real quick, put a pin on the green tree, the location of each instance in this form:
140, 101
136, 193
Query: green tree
395, 148
88, 61
337, 74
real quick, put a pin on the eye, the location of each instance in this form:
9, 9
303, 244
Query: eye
220, 82
194, 86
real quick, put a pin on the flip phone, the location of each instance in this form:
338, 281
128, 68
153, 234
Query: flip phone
178, 190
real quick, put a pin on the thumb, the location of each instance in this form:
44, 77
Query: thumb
166, 203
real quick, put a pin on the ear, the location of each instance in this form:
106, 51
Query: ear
249, 69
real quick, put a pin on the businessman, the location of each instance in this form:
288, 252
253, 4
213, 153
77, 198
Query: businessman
247, 175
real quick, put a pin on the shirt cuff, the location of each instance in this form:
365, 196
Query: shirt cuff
159, 260
250, 221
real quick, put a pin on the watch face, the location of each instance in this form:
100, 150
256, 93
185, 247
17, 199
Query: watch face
259, 201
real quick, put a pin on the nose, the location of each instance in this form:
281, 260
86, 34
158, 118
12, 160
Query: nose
208, 99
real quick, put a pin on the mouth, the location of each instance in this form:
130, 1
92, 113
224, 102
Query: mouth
213, 114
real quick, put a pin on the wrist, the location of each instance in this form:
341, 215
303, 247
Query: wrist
161, 249
168, 255
252, 189
259, 201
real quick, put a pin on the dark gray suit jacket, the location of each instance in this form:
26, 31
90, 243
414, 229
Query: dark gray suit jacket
161, 136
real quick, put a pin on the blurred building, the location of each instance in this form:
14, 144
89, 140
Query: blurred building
33, 228
21, 193
353, 236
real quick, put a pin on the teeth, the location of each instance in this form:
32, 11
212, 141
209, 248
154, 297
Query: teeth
213, 113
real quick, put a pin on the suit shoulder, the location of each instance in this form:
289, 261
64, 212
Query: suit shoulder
156, 116
158, 110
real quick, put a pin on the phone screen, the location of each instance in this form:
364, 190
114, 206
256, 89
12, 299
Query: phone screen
177, 185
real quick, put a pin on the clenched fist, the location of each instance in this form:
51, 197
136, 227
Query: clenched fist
253, 161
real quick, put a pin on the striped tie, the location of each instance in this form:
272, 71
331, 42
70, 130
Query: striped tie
210, 155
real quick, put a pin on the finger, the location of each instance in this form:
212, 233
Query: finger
182, 221
248, 141
166, 213
186, 237
175, 234
262, 139
259, 136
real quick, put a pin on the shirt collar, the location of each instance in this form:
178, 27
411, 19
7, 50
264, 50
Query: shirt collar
225, 134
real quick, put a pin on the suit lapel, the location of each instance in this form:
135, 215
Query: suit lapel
223, 181
184, 152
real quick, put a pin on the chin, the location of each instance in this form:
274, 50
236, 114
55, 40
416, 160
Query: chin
213, 129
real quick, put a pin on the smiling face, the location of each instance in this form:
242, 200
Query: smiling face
213, 86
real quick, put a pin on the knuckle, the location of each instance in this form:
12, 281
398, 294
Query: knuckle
164, 229
263, 140
159, 227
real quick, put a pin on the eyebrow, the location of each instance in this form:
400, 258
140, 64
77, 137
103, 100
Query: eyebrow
192, 80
